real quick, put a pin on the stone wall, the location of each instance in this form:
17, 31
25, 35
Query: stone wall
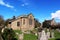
22, 26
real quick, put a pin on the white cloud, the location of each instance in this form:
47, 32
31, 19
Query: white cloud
56, 14
4, 4
25, 4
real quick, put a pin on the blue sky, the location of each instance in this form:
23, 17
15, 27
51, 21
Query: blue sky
41, 9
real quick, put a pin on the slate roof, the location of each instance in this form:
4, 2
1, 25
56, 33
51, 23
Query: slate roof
48, 21
23, 15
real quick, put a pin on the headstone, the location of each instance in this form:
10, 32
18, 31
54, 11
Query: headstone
36, 34
43, 36
52, 34
47, 30
21, 36
39, 35
48, 35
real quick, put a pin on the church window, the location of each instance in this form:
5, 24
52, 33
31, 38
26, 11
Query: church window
23, 21
30, 21
18, 23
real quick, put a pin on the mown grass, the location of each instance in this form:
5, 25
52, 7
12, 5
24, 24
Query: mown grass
18, 31
52, 39
56, 35
30, 37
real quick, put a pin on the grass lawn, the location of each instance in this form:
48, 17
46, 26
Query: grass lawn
16, 37
30, 37
18, 31
56, 35
52, 39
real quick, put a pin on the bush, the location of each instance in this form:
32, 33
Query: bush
9, 34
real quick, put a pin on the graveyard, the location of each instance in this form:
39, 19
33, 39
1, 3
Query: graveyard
29, 19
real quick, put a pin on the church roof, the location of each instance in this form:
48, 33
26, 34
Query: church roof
21, 16
24, 15
49, 20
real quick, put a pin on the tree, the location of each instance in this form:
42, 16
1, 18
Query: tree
46, 24
14, 17
1, 37
7, 22
1, 20
37, 23
1, 25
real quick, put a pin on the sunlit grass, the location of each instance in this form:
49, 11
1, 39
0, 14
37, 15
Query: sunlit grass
30, 37
18, 31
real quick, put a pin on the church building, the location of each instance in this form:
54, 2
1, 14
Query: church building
23, 22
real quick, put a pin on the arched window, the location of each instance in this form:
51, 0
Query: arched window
18, 23
30, 21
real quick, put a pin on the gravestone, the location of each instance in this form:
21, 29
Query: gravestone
21, 36
36, 34
43, 36
52, 34
39, 35
48, 34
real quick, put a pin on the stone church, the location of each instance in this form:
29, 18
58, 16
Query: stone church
23, 22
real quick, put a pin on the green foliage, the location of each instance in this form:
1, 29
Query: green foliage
39, 29
46, 30
1, 20
9, 34
46, 24
14, 18
7, 22
34, 31
1, 37
30, 37
37, 23
57, 34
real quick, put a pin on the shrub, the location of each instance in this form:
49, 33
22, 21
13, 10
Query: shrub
8, 34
